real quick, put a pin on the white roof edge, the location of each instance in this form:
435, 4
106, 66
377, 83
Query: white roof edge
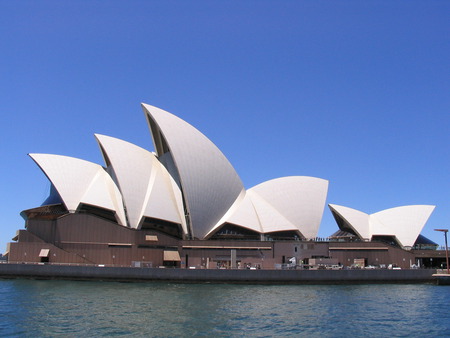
404, 222
209, 182
357, 220
80, 181
140, 176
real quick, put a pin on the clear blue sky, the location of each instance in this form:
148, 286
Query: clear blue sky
355, 92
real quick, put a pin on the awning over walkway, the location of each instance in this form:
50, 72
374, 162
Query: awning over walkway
44, 252
171, 256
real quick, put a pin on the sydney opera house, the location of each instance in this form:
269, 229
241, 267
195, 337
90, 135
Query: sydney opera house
184, 205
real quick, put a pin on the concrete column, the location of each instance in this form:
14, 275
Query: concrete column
233, 259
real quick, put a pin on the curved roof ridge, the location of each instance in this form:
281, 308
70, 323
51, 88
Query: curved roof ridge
300, 199
271, 219
140, 176
405, 222
209, 182
232, 215
357, 220
79, 181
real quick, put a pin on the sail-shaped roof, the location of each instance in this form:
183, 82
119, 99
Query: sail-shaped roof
355, 220
294, 203
79, 181
188, 182
300, 199
404, 223
147, 188
209, 183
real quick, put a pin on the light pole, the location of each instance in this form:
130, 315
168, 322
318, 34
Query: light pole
446, 247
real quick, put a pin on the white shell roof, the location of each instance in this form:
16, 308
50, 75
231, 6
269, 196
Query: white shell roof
405, 222
300, 199
270, 218
188, 175
294, 203
357, 220
242, 213
78, 181
147, 188
209, 182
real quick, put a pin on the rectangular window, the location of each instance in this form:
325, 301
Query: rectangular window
151, 238
44, 253
171, 256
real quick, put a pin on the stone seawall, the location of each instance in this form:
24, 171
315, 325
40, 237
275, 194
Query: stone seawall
216, 276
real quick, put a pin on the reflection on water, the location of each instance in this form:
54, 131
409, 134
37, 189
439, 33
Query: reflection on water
50, 308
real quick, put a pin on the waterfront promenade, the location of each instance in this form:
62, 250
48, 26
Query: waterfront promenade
38, 271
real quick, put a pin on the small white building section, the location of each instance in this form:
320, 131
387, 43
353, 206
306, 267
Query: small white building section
403, 223
209, 183
147, 188
79, 181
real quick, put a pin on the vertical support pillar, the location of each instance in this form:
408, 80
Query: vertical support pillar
233, 259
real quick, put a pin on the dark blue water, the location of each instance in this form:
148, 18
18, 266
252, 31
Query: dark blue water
65, 308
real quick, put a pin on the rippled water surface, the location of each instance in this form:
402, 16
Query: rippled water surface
65, 308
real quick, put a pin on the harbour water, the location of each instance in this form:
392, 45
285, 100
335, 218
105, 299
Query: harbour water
45, 308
